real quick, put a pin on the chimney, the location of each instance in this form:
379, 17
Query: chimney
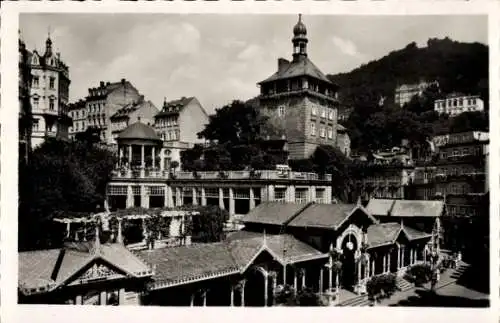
123, 81
108, 83
282, 64
102, 84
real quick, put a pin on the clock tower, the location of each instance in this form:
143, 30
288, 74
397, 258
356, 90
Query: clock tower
300, 101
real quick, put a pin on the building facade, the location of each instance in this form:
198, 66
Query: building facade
405, 92
457, 172
177, 124
300, 101
101, 103
49, 95
323, 247
456, 104
77, 112
343, 140
25, 113
142, 110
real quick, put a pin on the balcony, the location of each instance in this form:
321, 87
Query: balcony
246, 174
127, 173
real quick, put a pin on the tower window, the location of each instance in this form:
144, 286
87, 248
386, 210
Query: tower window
51, 104
314, 111
35, 103
313, 129
330, 114
35, 82
35, 125
281, 111
51, 82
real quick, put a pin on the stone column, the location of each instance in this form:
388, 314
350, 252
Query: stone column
425, 254
178, 199
129, 155
204, 298
243, 293
153, 155
221, 198
68, 229
78, 300
373, 266
274, 277
203, 197
232, 295
303, 280
252, 198
389, 262
291, 193
265, 288
295, 282
192, 300
121, 296
144, 231
142, 156
284, 274
130, 196
403, 256
330, 275
166, 197
399, 257
231, 201
102, 298
321, 280
270, 193
195, 197
359, 270
121, 155
144, 197
312, 194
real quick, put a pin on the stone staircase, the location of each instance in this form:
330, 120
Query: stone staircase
403, 284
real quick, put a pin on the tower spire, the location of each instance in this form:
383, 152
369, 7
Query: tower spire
299, 40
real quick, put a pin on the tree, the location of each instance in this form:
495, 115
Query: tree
305, 297
209, 225
61, 177
380, 287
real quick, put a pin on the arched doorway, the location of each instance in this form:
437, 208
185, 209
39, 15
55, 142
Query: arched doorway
254, 288
349, 247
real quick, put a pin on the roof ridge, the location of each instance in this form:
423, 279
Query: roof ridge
300, 211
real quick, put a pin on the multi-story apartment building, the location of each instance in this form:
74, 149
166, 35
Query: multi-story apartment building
25, 113
101, 103
387, 176
456, 103
142, 110
300, 101
457, 171
405, 92
49, 95
177, 124
77, 112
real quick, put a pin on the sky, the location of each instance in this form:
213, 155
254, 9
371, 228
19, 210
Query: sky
219, 58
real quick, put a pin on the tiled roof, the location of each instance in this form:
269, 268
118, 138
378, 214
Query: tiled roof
387, 233
52, 268
273, 213
323, 215
139, 130
383, 233
185, 263
417, 208
129, 108
174, 106
296, 68
380, 207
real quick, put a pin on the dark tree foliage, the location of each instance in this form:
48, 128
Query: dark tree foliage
61, 177
235, 131
458, 67
209, 225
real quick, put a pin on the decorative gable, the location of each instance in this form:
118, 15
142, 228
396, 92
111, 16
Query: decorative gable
97, 272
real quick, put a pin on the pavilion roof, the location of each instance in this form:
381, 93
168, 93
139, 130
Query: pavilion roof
296, 68
197, 262
44, 270
383, 234
274, 213
405, 208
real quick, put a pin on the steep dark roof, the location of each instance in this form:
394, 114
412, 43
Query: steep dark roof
174, 106
273, 213
129, 108
387, 233
44, 270
299, 67
405, 208
139, 130
181, 264
323, 215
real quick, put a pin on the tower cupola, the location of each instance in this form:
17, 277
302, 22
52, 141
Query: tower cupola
299, 40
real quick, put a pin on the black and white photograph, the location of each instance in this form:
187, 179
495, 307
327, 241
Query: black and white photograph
253, 160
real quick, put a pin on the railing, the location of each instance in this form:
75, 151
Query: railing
245, 174
140, 173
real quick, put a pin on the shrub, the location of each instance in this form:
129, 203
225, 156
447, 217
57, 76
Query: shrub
305, 297
419, 274
381, 286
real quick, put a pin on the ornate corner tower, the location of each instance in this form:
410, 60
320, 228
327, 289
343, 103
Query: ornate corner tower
300, 101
